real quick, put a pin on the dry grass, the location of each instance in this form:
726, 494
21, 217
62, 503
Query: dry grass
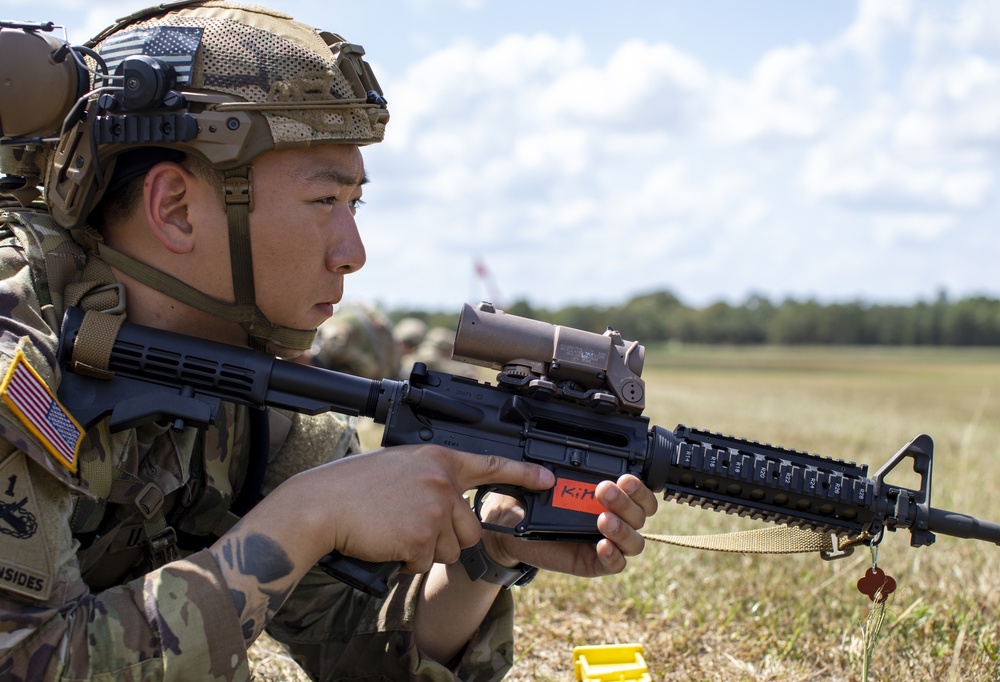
717, 617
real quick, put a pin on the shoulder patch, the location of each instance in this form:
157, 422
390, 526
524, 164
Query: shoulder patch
25, 566
31, 400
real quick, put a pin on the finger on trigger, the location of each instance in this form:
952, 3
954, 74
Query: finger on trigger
477, 470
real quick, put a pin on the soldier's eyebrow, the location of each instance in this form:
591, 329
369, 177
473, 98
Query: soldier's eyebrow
338, 176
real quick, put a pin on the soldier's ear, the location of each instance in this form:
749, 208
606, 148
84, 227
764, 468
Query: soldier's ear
167, 192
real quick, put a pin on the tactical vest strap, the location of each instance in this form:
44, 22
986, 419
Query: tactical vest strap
96, 289
147, 501
143, 502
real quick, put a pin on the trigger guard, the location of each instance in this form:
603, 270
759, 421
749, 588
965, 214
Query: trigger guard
510, 491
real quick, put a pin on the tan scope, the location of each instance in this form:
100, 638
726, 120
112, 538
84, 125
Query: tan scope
491, 338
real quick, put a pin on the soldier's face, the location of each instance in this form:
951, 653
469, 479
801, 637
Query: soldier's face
303, 232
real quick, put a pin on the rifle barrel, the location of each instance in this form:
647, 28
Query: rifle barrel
963, 526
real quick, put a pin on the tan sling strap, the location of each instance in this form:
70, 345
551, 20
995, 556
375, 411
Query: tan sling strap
104, 301
771, 540
96, 289
96, 338
246, 315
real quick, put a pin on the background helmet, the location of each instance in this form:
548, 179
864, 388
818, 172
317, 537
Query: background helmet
357, 340
409, 332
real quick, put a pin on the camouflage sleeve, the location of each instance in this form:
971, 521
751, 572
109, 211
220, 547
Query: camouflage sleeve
300, 442
178, 622
336, 632
175, 623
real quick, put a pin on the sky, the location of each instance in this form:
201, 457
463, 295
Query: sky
717, 149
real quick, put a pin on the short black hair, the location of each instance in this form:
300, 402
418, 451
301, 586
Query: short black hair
124, 190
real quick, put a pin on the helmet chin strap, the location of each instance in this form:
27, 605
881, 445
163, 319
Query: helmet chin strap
238, 195
262, 334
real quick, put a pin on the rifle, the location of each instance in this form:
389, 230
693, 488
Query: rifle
566, 399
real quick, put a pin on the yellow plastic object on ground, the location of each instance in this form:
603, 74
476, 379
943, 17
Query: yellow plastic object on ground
610, 663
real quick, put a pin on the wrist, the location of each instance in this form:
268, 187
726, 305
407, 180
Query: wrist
481, 566
494, 545
281, 510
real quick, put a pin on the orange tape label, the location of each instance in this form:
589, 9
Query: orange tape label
576, 495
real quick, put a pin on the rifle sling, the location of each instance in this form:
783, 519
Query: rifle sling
776, 540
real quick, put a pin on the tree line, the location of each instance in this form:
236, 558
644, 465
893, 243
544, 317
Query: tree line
661, 316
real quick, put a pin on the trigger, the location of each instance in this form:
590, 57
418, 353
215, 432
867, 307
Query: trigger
477, 505
481, 493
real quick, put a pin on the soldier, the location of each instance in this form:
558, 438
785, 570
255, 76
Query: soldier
435, 350
209, 188
409, 332
358, 340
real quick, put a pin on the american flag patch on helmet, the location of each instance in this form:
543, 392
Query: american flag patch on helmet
175, 45
31, 400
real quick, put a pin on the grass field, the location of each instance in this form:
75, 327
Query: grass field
710, 617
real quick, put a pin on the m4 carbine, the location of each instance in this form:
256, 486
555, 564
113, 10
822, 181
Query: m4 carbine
566, 399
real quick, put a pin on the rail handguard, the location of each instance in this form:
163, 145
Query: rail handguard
567, 399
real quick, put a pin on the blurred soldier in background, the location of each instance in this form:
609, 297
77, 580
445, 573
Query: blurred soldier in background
357, 340
435, 351
409, 333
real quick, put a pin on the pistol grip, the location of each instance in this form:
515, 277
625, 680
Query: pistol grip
367, 576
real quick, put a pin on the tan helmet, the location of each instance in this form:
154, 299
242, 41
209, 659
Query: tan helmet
409, 332
221, 81
357, 340
246, 80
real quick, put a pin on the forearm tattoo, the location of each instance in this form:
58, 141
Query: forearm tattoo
259, 575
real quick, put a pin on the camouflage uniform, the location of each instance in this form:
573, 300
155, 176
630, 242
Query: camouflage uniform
77, 600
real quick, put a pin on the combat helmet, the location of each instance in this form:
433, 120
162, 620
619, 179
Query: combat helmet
357, 340
409, 332
218, 80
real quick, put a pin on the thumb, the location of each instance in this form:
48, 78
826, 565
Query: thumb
477, 470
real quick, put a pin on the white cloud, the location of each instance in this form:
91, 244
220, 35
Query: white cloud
785, 97
890, 229
875, 23
880, 181
949, 28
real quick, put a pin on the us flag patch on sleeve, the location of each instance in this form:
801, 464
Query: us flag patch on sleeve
30, 399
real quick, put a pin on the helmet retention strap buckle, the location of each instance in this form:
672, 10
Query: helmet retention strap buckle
238, 194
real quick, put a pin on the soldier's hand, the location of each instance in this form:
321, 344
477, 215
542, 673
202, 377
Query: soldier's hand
403, 503
627, 502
